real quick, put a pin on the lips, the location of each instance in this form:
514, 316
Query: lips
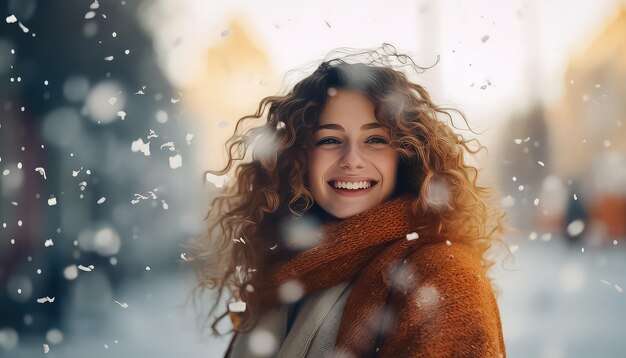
352, 179
370, 182
352, 192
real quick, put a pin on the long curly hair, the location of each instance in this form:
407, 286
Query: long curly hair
243, 221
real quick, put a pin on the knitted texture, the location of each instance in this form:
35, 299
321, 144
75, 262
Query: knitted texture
426, 297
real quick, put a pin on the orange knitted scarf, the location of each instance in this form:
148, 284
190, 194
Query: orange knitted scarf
412, 297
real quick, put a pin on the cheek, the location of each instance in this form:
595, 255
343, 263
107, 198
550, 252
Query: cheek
319, 161
390, 168
315, 167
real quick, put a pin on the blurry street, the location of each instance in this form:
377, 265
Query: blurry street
553, 304
155, 324
556, 304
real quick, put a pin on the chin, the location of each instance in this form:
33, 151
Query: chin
343, 214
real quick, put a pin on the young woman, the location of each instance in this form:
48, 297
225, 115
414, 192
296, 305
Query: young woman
356, 229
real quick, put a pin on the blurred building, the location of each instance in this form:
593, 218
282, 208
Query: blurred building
564, 163
525, 144
236, 74
588, 132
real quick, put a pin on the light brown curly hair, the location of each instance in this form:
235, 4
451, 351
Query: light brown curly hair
243, 221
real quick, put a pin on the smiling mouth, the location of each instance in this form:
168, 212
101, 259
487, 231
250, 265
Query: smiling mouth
353, 191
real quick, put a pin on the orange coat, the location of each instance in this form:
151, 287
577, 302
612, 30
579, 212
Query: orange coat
425, 297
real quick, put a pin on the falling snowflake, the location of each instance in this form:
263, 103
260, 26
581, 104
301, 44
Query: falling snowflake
123, 305
575, 227
161, 116
141, 92
45, 299
427, 296
139, 197
508, 201
290, 291
262, 343
139, 146
169, 145
237, 306
412, 236
176, 161
24, 29
41, 171
86, 268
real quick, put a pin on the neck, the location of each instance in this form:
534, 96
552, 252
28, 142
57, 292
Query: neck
321, 215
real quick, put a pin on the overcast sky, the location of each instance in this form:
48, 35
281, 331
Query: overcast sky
493, 54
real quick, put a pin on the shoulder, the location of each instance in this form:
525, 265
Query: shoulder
452, 286
447, 257
453, 268
447, 305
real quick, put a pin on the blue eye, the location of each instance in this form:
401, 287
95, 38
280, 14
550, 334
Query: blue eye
379, 139
325, 141
374, 140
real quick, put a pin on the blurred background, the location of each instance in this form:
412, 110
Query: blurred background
110, 111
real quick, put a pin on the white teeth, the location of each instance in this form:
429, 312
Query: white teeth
352, 185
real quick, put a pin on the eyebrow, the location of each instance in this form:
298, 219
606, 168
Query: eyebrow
340, 128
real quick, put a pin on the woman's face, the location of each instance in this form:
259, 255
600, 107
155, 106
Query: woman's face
352, 166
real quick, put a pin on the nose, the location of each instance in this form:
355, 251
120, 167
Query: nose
352, 157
